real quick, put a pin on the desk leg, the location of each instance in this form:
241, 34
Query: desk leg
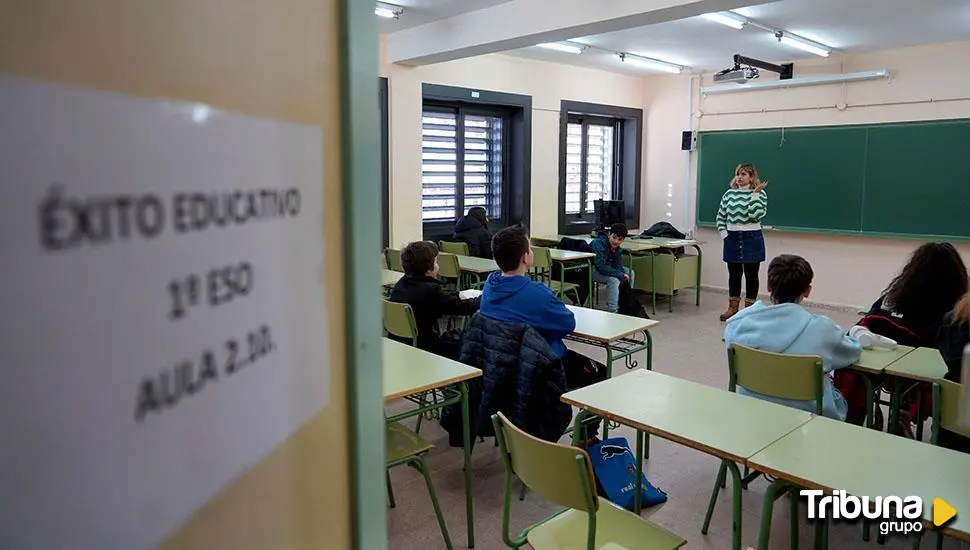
638, 487
735, 504
653, 279
469, 504
589, 294
609, 374
698, 287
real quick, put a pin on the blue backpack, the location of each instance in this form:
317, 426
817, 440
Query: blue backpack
615, 467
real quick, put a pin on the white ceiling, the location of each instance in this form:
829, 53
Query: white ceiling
849, 26
419, 12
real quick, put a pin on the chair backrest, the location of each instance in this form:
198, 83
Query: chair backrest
399, 321
542, 258
448, 266
560, 473
393, 258
796, 377
448, 247
946, 409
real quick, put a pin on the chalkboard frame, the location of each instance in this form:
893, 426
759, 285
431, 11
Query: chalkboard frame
815, 230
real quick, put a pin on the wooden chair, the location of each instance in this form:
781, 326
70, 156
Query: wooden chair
450, 269
564, 475
543, 270
392, 257
794, 377
403, 446
449, 247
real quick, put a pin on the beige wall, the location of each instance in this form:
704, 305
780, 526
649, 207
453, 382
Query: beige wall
268, 58
926, 84
547, 83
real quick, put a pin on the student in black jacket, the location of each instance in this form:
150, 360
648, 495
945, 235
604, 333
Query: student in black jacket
473, 229
953, 338
420, 289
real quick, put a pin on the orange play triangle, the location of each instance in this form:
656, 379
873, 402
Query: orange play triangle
942, 511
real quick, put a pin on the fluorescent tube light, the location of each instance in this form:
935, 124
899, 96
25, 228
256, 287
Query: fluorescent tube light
814, 80
647, 63
803, 44
562, 47
728, 18
388, 11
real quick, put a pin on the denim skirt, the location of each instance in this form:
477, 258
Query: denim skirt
744, 247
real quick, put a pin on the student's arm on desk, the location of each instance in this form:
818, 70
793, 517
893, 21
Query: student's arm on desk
838, 349
553, 317
449, 303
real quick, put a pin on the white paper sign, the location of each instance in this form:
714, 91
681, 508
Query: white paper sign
163, 309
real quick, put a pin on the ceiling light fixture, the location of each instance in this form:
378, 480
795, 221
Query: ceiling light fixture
728, 18
388, 11
567, 47
814, 80
803, 44
648, 63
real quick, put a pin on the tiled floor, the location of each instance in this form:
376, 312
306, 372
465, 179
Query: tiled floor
688, 345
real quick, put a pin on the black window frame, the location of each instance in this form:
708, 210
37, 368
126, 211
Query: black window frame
516, 149
627, 161
460, 111
382, 91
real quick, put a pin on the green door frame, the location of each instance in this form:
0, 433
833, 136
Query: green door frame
360, 136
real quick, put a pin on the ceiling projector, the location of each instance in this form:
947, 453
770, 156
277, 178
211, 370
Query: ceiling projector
739, 75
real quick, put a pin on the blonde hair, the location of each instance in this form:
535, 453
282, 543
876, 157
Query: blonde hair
755, 180
961, 311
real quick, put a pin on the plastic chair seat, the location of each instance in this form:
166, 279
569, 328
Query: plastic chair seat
616, 529
402, 443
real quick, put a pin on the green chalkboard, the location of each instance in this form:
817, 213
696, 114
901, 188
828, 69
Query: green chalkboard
904, 179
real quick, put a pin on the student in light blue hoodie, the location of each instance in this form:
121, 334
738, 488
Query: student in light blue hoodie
787, 327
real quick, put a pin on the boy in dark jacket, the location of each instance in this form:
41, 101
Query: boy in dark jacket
608, 265
420, 289
472, 228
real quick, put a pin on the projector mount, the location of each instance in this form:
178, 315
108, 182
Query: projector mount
785, 72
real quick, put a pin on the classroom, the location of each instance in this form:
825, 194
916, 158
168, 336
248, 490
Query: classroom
622, 274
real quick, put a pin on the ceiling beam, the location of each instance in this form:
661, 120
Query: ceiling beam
522, 23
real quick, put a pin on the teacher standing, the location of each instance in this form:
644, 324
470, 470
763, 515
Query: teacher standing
739, 223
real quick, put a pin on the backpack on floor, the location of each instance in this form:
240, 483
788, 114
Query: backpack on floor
629, 303
615, 468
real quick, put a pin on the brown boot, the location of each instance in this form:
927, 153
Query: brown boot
748, 302
733, 304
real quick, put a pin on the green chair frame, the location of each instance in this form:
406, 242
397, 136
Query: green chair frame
946, 415
783, 376
452, 247
564, 475
392, 259
542, 266
399, 321
404, 446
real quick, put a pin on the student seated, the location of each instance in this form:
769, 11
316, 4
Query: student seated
512, 297
912, 307
608, 265
473, 229
420, 289
787, 327
953, 338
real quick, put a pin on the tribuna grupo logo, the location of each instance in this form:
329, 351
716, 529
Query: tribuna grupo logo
894, 514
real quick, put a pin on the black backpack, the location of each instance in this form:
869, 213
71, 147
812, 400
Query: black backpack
629, 302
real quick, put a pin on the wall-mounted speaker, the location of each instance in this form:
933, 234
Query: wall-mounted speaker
687, 141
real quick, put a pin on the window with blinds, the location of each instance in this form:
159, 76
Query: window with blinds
590, 163
462, 162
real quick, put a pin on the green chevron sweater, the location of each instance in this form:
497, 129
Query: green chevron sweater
741, 210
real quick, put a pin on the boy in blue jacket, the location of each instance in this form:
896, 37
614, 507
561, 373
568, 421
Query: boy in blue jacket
608, 265
787, 327
511, 296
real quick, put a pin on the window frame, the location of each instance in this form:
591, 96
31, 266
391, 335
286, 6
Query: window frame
627, 161
460, 111
587, 120
517, 148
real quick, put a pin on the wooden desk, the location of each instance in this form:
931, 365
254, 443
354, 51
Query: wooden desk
714, 421
875, 361
408, 370
669, 273
390, 278
580, 261
477, 268
921, 364
827, 454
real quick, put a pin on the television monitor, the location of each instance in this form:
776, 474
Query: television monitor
606, 213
